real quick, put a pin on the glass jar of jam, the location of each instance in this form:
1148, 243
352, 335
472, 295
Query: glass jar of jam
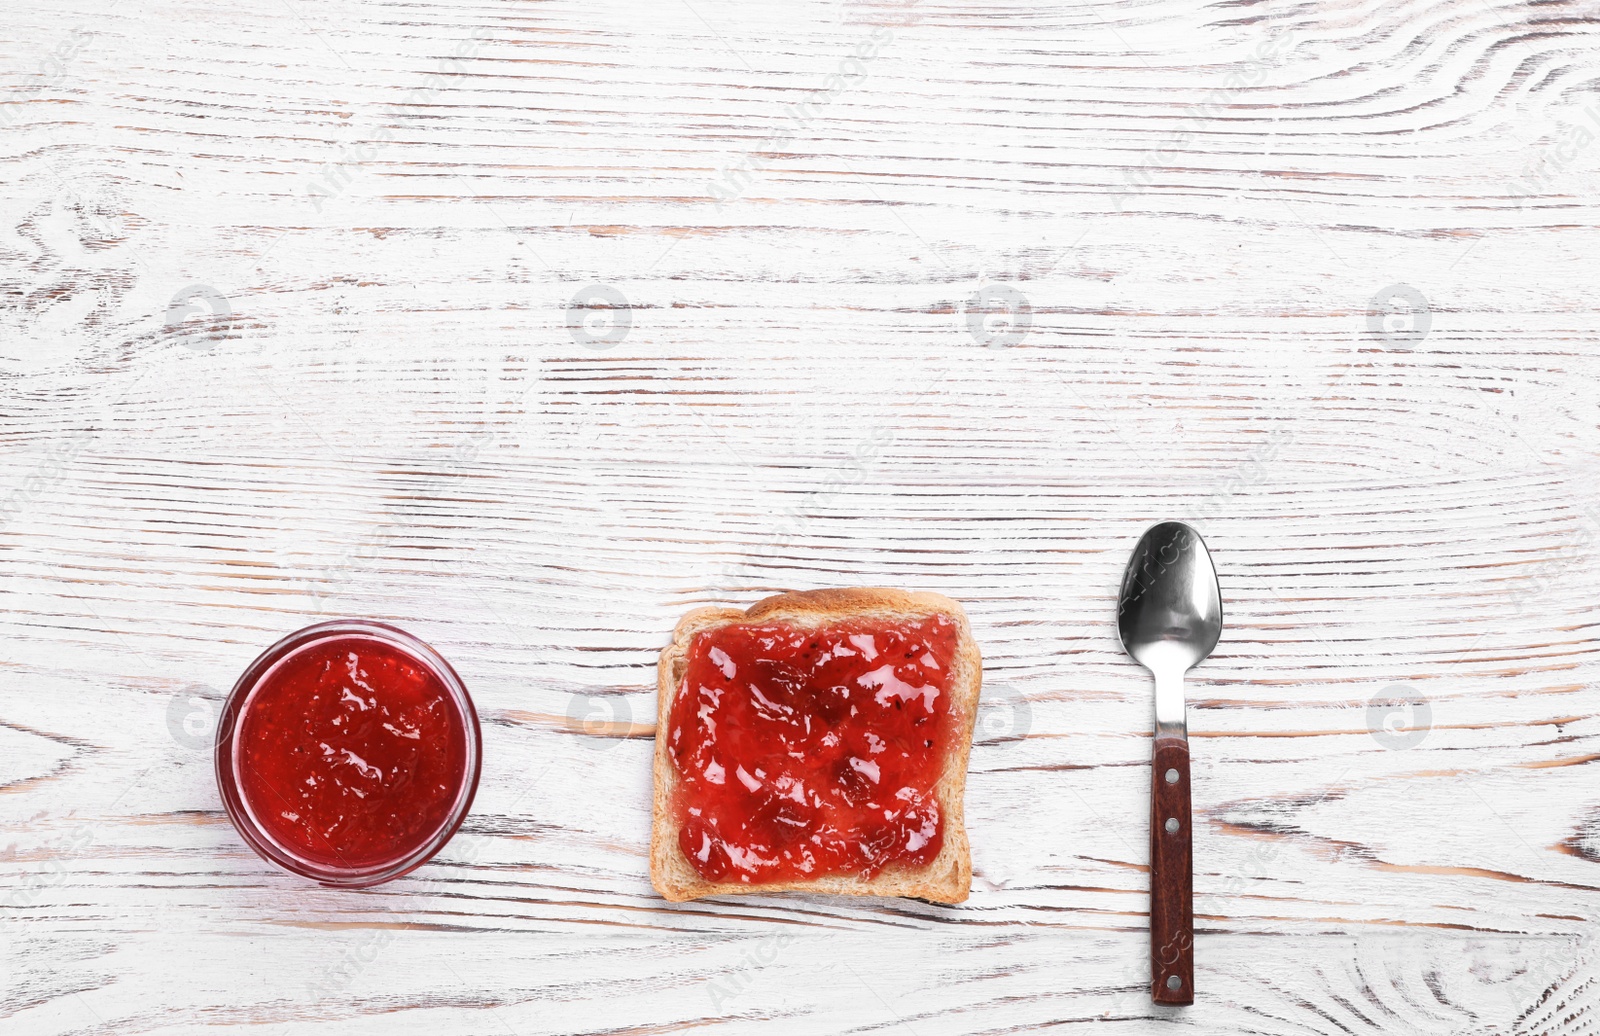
348, 753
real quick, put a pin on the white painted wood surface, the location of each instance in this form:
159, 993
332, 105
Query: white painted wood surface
286, 336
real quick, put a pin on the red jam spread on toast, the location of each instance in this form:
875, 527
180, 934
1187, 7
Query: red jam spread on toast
351, 752
803, 753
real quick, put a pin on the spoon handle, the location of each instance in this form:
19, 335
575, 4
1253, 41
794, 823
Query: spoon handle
1171, 874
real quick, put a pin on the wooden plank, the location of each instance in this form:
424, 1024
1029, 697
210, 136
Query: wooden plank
944, 296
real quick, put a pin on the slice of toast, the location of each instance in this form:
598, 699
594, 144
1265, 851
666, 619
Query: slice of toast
945, 879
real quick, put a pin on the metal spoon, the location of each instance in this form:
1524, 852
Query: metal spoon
1169, 618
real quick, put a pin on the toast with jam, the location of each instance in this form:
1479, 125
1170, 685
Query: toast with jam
816, 741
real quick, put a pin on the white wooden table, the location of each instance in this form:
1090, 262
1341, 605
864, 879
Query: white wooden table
529, 325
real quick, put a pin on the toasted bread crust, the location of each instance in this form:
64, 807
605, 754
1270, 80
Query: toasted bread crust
945, 879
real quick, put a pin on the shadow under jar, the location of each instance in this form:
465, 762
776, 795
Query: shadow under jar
348, 753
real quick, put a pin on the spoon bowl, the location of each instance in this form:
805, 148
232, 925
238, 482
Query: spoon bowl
1170, 610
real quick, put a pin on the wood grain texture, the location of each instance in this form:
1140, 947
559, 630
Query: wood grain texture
954, 297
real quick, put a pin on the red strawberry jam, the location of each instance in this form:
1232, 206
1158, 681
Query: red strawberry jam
352, 755
802, 753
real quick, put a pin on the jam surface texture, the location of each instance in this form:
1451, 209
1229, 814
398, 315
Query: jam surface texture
351, 752
809, 752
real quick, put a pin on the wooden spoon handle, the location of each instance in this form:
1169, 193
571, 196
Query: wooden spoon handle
1171, 875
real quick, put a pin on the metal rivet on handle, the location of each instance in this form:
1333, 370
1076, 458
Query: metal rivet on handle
1172, 776
1172, 825
1174, 982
